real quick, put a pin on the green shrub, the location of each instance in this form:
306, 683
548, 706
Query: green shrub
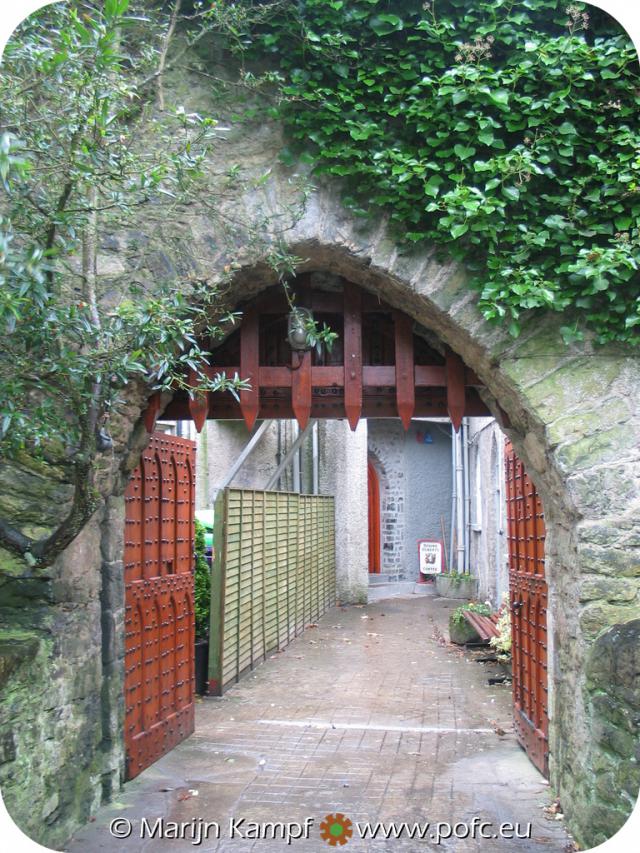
458, 577
457, 617
202, 600
502, 643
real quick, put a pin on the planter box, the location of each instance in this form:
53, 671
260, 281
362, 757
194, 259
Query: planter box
202, 667
461, 632
449, 586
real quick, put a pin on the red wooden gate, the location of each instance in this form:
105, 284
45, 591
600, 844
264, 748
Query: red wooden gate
159, 626
528, 595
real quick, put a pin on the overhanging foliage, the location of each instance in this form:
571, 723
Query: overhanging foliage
505, 131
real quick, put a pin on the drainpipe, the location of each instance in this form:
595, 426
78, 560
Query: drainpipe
467, 495
286, 461
315, 459
451, 560
296, 460
459, 503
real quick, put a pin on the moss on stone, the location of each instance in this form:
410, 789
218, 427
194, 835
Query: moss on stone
601, 446
598, 616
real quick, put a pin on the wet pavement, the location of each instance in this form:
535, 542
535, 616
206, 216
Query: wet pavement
370, 714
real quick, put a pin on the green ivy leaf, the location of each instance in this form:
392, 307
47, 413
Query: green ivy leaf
500, 97
511, 192
382, 25
464, 151
459, 230
433, 185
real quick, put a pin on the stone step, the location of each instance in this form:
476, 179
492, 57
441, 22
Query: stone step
376, 580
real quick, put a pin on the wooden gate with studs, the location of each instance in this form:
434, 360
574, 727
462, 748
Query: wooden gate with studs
528, 599
159, 587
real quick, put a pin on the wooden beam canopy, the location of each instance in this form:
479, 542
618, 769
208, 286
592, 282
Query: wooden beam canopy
378, 367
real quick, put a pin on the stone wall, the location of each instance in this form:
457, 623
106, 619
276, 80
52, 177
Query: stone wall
385, 446
613, 694
415, 489
343, 473
54, 765
62, 648
488, 535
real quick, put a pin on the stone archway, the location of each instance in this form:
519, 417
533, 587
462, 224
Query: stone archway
572, 414
574, 418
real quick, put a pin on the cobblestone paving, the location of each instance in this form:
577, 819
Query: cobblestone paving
371, 714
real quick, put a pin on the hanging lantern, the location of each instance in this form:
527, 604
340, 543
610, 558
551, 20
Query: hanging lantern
297, 335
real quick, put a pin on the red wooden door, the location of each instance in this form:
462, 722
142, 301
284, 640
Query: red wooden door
159, 619
528, 597
374, 519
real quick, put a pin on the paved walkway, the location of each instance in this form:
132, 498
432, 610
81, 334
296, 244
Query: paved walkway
371, 714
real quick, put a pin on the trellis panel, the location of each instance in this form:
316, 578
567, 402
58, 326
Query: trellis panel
274, 574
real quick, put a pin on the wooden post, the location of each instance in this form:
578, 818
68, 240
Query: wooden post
352, 353
216, 631
455, 388
151, 414
405, 380
301, 388
250, 366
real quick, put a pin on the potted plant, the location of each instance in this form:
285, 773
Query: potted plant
460, 631
457, 585
202, 604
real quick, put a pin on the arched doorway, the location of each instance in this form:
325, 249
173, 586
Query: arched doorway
373, 486
526, 401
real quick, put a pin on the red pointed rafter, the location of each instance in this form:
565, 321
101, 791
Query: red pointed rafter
352, 353
198, 404
456, 397
151, 414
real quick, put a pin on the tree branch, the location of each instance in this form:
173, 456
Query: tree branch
13, 540
85, 503
164, 50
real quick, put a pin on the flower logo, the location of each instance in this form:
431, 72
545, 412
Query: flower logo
336, 829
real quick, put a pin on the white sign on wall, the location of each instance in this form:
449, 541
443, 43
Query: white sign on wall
430, 554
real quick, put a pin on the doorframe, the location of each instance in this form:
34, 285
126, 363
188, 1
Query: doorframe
373, 503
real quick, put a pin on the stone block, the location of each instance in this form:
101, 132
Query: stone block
604, 492
609, 589
598, 559
627, 778
599, 821
113, 584
112, 541
77, 578
109, 635
602, 446
7, 747
619, 741
597, 615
